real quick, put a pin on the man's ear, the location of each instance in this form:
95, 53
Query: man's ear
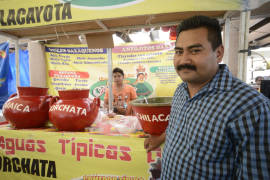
219, 53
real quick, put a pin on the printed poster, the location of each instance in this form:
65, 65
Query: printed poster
148, 68
75, 67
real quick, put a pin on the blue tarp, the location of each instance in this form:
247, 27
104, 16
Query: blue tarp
24, 70
4, 72
8, 71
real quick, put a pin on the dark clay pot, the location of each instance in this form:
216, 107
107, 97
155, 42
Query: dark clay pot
153, 113
27, 109
73, 110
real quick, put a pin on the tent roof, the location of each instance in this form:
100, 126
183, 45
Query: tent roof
107, 25
259, 24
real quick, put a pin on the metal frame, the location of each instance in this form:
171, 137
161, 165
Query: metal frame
243, 45
109, 52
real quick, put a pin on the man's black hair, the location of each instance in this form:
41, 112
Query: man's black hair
211, 24
118, 70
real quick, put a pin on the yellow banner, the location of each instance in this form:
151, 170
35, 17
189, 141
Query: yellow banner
75, 67
41, 154
147, 67
32, 13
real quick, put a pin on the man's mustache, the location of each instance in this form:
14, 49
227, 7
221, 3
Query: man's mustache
186, 66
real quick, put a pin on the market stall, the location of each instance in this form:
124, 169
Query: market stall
47, 154
58, 20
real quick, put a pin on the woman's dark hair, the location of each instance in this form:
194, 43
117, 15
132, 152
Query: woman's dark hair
258, 78
211, 24
118, 70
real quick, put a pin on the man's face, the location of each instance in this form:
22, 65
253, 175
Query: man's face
118, 78
194, 59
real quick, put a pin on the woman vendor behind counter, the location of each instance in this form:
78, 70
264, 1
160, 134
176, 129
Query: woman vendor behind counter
122, 94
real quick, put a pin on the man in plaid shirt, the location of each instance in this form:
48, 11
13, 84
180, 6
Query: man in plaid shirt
219, 127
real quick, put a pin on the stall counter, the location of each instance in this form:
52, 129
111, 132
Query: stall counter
48, 154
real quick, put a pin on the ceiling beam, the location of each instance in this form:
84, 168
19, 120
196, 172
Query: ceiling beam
262, 37
259, 32
9, 36
265, 45
259, 24
102, 25
262, 42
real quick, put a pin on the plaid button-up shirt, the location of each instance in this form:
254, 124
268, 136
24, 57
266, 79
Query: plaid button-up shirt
223, 132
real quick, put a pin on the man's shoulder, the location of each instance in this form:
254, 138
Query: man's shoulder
181, 90
181, 86
244, 92
243, 99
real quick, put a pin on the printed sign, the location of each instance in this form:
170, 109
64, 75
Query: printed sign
33, 13
41, 154
147, 67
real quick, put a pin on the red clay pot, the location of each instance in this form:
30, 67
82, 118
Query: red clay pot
153, 113
73, 110
28, 109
